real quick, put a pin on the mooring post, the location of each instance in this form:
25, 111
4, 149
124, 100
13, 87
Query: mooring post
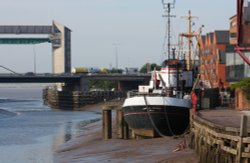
125, 130
119, 123
243, 133
106, 124
243, 126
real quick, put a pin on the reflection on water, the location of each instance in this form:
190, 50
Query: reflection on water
30, 132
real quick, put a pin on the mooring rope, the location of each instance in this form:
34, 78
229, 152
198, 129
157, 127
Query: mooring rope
168, 123
152, 121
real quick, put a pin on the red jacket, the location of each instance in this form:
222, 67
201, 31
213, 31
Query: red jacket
194, 98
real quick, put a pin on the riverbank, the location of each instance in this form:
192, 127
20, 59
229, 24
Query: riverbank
89, 147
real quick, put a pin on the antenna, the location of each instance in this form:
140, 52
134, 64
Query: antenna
166, 2
167, 5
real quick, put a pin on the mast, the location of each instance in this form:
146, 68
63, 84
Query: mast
189, 41
189, 35
168, 6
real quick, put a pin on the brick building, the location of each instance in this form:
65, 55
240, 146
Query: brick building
212, 57
236, 68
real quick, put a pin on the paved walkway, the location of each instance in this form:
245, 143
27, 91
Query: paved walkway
224, 116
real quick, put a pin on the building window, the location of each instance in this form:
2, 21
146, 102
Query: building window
233, 23
236, 68
208, 62
233, 35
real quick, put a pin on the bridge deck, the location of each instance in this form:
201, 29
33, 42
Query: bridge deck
68, 78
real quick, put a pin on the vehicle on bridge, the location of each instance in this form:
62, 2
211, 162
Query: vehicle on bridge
92, 70
29, 74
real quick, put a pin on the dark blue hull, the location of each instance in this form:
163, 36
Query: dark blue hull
168, 120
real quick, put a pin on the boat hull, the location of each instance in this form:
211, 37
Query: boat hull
163, 117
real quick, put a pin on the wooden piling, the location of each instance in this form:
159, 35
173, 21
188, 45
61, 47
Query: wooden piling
119, 123
107, 124
243, 126
243, 133
125, 130
122, 126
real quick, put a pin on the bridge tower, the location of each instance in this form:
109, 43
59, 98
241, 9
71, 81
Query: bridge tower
57, 34
61, 48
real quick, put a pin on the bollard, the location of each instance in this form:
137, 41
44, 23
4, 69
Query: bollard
106, 124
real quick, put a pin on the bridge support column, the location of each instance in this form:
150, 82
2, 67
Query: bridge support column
84, 85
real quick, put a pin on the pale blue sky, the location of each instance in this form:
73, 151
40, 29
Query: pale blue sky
137, 25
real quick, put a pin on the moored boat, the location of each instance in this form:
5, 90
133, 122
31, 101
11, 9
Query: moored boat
163, 106
160, 106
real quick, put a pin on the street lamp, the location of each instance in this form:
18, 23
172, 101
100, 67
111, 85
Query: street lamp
34, 52
116, 54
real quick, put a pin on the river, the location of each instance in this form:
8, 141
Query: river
30, 131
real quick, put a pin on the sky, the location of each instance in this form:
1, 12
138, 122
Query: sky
135, 26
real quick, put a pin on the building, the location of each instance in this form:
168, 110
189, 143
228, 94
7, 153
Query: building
212, 58
236, 68
233, 30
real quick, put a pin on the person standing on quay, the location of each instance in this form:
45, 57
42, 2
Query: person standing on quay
194, 101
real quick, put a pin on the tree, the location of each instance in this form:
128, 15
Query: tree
104, 85
244, 84
149, 67
116, 71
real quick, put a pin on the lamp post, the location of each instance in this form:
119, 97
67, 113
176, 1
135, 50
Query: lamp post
116, 54
34, 52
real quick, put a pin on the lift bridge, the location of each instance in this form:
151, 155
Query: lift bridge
57, 34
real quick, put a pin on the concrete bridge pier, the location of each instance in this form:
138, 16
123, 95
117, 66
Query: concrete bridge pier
83, 85
63, 96
75, 93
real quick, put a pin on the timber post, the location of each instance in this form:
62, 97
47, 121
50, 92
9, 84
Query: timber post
107, 124
122, 126
119, 123
243, 133
107, 119
125, 130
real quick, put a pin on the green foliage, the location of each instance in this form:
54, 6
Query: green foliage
116, 71
104, 85
150, 67
244, 84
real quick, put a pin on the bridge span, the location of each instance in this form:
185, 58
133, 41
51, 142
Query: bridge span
68, 78
125, 82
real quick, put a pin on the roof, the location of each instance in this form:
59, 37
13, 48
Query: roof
232, 17
222, 36
203, 38
211, 35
